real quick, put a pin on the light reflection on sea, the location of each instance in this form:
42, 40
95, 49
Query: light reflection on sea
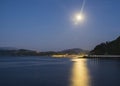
80, 74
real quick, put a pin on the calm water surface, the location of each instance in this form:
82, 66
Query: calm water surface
47, 71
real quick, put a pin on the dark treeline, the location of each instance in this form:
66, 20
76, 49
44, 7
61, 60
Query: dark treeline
24, 52
107, 48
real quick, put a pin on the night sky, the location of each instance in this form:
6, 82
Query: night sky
47, 24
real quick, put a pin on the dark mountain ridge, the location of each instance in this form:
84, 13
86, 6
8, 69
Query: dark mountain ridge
107, 48
25, 52
8, 48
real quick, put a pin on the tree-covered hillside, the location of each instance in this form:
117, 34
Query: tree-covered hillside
108, 48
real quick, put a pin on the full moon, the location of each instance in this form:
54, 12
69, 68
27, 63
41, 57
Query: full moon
78, 18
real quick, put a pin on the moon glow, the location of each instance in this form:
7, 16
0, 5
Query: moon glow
78, 18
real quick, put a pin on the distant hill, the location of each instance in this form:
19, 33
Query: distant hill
16, 52
24, 52
74, 51
8, 48
107, 48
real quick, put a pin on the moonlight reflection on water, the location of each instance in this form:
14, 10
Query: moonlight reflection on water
80, 75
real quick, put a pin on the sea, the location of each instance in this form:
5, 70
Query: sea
49, 71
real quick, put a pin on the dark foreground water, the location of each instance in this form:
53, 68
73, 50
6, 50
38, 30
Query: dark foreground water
47, 71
